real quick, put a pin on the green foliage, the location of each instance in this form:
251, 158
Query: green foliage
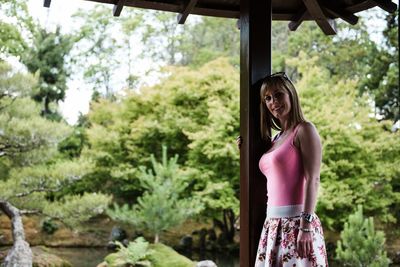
72, 145
13, 84
162, 205
194, 112
11, 41
194, 43
359, 154
49, 226
73, 210
96, 49
352, 54
164, 256
31, 168
16, 24
383, 80
360, 244
136, 254
47, 56
25, 137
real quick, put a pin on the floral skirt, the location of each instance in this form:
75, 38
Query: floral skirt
277, 246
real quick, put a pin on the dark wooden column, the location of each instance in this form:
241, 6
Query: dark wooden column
255, 63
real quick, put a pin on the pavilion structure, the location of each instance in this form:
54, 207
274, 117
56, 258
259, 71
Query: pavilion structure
255, 20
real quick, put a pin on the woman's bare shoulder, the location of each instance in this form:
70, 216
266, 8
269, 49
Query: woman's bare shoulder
307, 130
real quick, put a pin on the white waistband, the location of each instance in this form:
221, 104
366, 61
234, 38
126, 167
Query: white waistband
284, 211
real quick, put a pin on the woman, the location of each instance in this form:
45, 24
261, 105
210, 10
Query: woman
292, 233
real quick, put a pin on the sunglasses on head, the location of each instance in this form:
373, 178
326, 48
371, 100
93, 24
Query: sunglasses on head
277, 74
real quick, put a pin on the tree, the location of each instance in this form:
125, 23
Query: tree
15, 22
98, 53
208, 39
382, 81
47, 56
193, 111
31, 168
352, 54
11, 41
359, 153
162, 205
360, 244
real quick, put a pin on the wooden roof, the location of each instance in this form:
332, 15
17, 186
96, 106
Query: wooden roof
322, 11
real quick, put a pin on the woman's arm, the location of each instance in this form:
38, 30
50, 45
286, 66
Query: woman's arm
309, 143
311, 153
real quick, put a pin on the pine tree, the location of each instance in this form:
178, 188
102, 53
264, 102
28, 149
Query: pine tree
31, 168
360, 244
162, 205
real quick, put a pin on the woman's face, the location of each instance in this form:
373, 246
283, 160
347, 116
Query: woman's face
277, 101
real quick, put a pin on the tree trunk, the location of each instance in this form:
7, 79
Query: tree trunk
156, 238
47, 110
20, 255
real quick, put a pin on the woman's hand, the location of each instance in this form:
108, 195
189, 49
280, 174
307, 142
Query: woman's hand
304, 244
239, 141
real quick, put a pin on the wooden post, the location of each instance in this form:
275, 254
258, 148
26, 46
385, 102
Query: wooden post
255, 63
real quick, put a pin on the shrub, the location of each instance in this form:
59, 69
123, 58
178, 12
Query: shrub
136, 254
360, 244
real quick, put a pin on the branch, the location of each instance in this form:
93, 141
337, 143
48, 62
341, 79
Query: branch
7, 148
25, 212
20, 254
40, 212
12, 100
14, 214
42, 189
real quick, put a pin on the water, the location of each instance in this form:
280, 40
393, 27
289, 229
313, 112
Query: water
82, 257
91, 257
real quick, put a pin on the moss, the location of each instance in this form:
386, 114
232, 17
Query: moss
164, 256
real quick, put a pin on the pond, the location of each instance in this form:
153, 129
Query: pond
91, 257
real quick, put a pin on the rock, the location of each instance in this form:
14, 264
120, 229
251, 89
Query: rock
396, 258
212, 236
186, 242
118, 234
111, 245
202, 238
125, 242
103, 264
206, 263
42, 257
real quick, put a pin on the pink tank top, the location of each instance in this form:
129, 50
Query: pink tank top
284, 171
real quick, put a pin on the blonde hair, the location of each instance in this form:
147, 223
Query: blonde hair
267, 120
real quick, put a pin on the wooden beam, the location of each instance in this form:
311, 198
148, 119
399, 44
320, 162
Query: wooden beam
46, 3
186, 11
386, 5
255, 63
327, 25
343, 14
364, 5
205, 11
118, 7
298, 19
